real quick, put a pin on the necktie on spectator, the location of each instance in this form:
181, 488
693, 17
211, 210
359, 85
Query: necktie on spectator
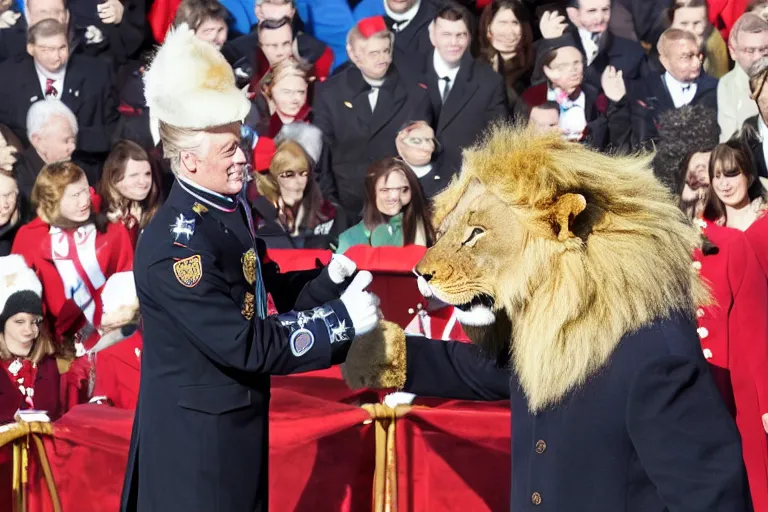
50, 90
447, 87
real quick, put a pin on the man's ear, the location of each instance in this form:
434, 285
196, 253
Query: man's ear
564, 211
29, 50
259, 12
189, 161
573, 15
431, 30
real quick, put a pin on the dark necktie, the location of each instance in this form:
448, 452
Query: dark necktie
447, 88
50, 90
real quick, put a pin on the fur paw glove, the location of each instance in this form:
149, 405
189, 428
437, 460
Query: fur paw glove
377, 359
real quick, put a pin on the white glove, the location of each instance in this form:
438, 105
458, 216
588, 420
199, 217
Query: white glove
9, 18
340, 268
362, 306
93, 35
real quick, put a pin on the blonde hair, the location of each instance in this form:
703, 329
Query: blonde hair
177, 140
49, 189
288, 67
289, 156
43, 347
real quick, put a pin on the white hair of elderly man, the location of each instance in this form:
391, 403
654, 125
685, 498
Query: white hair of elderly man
41, 112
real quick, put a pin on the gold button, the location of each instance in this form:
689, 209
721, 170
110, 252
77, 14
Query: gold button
541, 446
536, 498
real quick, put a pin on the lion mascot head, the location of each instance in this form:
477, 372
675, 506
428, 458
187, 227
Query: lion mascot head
551, 253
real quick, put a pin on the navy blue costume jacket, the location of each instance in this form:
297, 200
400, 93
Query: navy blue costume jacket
647, 433
200, 435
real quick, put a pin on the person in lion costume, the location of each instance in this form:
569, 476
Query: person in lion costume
572, 274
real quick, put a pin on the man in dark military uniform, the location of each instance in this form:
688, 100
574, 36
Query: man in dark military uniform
200, 434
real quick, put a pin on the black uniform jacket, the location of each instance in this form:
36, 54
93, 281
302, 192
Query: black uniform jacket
200, 435
476, 99
356, 137
647, 433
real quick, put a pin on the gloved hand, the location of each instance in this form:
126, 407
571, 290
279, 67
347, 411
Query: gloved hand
340, 268
362, 306
93, 35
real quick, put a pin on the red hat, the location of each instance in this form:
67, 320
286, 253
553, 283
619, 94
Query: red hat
263, 153
371, 25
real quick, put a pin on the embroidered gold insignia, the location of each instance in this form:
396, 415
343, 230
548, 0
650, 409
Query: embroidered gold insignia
249, 266
248, 309
189, 271
199, 209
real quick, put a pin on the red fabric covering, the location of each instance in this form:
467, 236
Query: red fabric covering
321, 454
454, 457
371, 25
724, 13
161, 16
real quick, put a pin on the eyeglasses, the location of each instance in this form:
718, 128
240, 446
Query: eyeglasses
418, 141
293, 174
10, 196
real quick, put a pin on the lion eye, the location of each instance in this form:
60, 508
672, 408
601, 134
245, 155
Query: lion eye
474, 234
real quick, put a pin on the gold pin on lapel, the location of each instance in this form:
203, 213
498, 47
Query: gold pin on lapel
347, 104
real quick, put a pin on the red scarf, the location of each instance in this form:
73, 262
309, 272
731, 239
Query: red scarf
22, 373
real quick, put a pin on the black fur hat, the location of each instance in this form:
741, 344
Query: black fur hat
682, 132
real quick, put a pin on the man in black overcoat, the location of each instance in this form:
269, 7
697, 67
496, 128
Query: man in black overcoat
361, 109
467, 95
200, 437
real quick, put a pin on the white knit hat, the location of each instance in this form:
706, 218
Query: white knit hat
20, 289
306, 135
191, 85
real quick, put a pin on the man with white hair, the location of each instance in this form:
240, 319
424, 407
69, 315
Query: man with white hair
747, 43
200, 434
361, 109
52, 132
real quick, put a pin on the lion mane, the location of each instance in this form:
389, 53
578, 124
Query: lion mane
605, 252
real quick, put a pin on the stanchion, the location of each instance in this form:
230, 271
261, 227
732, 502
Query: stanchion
19, 434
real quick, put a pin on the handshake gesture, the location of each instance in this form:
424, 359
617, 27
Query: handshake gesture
362, 306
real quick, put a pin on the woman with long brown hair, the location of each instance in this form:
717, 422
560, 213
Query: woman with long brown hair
129, 187
506, 43
395, 212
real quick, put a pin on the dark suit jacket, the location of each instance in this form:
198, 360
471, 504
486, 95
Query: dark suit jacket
13, 40
356, 137
476, 99
756, 148
414, 38
651, 424
26, 169
87, 91
625, 55
651, 93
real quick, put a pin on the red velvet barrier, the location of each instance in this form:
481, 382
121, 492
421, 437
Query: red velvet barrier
454, 456
321, 454
392, 269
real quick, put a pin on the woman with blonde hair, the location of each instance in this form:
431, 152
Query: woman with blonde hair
282, 99
73, 249
290, 210
129, 187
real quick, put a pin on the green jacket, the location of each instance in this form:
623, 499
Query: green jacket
390, 234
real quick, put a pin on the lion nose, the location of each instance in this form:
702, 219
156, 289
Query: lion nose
426, 276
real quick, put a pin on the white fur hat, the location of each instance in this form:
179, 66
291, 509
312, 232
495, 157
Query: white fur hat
306, 135
190, 84
119, 291
20, 289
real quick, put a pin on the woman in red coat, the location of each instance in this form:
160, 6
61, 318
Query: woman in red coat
73, 251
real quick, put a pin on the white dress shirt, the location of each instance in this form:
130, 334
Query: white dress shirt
573, 118
421, 170
373, 95
682, 93
590, 45
401, 19
58, 80
442, 69
762, 129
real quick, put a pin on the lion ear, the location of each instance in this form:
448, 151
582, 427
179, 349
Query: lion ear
565, 209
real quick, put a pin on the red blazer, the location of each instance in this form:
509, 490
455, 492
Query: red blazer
117, 372
46, 392
724, 13
734, 338
96, 258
